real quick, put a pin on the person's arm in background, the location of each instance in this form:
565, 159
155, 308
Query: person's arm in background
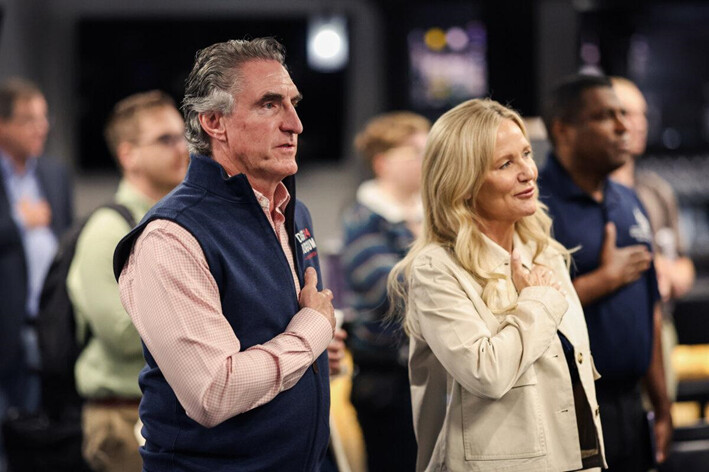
657, 390
617, 268
681, 268
174, 302
336, 352
683, 275
675, 276
682, 272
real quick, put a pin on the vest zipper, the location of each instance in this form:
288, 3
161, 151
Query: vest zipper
318, 387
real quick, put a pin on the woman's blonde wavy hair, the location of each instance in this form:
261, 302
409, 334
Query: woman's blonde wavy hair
459, 152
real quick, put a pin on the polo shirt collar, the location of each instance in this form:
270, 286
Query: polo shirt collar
565, 188
556, 177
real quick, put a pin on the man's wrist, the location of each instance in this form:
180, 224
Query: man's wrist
663, 410
609, 280
313, 327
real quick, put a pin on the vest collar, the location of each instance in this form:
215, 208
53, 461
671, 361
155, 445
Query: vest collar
208, 174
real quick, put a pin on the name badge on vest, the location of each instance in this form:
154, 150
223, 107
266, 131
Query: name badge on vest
307, 243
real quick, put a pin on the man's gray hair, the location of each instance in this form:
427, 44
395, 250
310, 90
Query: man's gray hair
215, 78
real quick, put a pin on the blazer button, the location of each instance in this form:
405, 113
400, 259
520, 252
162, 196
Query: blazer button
579, 357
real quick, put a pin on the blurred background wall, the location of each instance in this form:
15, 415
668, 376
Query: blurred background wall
420, 55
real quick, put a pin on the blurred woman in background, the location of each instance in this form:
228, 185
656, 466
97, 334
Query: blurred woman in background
379, 228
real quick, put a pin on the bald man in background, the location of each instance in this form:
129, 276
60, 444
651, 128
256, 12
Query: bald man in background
675, 271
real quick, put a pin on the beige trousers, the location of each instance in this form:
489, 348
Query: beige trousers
109, 438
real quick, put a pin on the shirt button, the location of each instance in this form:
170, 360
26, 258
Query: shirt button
597, 411
579, 357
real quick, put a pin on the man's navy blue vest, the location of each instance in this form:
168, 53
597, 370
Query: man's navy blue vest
289, 433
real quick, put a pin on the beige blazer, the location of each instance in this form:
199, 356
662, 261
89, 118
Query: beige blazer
493, 392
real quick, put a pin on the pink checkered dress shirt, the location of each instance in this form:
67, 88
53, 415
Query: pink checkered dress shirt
173, 301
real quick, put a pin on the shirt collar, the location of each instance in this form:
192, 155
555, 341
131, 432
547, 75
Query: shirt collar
129, 194
8, 167
497, 256
281, 197
370, 195
557, 178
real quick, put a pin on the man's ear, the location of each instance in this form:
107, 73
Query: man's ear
213, 124
561, 132
125, 156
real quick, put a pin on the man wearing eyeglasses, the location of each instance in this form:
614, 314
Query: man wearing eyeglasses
145, 133
36, 206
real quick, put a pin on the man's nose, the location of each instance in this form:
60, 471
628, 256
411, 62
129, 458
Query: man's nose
621, 123
291, 121
39, 123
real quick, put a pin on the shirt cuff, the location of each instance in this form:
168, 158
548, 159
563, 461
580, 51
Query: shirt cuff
554, 302
313, 328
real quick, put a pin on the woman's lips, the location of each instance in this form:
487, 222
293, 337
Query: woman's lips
526, 193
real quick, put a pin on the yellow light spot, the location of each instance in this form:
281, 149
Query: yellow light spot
435, 39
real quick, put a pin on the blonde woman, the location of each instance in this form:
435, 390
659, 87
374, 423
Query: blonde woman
500, 369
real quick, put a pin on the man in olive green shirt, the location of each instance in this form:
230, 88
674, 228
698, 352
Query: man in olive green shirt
145, 133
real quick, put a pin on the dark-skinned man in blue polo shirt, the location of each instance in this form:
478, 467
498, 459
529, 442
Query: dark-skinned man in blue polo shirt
613, 271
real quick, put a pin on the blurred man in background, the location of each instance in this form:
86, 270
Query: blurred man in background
613, 271
675, 271
36, 207
378, 230
145, 134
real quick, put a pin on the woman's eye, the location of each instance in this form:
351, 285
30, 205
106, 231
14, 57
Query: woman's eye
506, 165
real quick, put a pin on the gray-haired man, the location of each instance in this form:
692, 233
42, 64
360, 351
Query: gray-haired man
221, 281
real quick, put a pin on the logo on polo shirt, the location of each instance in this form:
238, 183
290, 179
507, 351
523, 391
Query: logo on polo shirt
641, 230
307, 243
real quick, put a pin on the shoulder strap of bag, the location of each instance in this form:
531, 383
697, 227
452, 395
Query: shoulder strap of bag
123, 211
